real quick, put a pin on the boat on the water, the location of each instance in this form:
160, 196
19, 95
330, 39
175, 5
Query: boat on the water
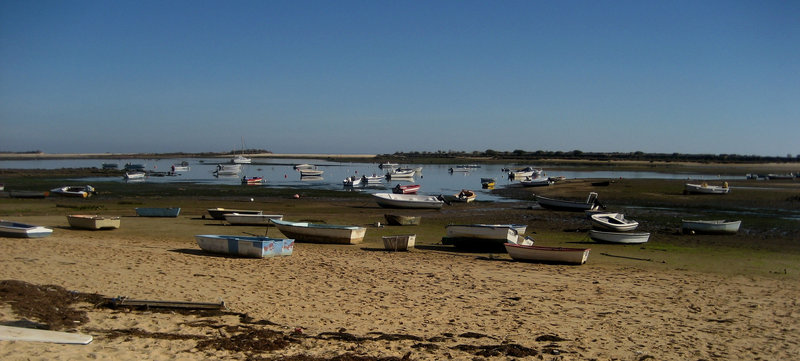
465, 196
228, 169
524, 173
158, 212
400, 174
252, 180
321, 233
719, 226
525, 250
243, 246
619, 237
352, 181
93, 222
704, 188
390, 200
401, 220
387, 165
303, 166
238, 219
591, 203
74, 191
615, 222
536, 181
371, 180
406, 189
310, 172
399, 242
181, 167
134, 175
22, 230
219, 213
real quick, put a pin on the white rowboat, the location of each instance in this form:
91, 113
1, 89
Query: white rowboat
391, 200
710, 227
619, 237
531, 253
241, 219
591, 203
321, 233
704, 188
615, 222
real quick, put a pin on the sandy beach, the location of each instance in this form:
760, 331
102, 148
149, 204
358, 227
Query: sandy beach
327, 300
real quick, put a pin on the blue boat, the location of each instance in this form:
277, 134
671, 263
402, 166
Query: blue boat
258, 247
22, 230
158, 212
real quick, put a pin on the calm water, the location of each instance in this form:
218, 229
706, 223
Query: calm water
434, 179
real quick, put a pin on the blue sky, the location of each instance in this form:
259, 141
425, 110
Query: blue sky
385, 76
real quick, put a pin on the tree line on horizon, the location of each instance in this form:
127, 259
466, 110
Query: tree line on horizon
598, 156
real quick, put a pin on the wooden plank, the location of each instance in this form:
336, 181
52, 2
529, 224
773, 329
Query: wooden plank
125, 302
9, 333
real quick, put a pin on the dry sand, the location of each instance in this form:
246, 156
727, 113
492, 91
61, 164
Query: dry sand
332, 300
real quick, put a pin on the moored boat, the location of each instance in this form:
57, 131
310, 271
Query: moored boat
526, 251
704, 188
494, 232
465, 196
239, 219
390, 200
22, 230
252, 180
258, 247
310, 172
406, 189
615, 222
74, 191
134, 175
399, 242
158, 212
719, 226
400, 174
321, 233
93, 222
371, 180
228, 169
219, 213
619, 237
591, 203
352, 181
401, 220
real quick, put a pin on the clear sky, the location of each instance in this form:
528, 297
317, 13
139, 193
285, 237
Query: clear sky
384, 76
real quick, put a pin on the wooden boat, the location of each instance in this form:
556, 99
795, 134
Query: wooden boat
619, 237
458, 169
23, 230
28, 194
321, 233
399, 242
93, 222
401, 220
303, 166
406, 189
614, 222
400, 174
74, 191
352, 181
310, 172
465, 196
389, 200
710, 227
591, 203
252, 180
219, 213
240, 159
530, 253
258, 247
239, 219
134, 175
158, 212
704, 188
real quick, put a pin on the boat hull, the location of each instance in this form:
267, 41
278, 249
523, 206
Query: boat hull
257, 247
389, 200
219, 213
705, 189
710, 227
251, 219
158, 212
547, 254
399, 242
93, 222
22, 230
400, 220
619, 237
614, 222
321, 233
564, 205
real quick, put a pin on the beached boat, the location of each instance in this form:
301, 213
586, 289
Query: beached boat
158, 212
240, 159
537, 181
134, 175
258, 247
401, 220
710, 227
93, 222
239, 219
252, 180
352, 181
219, 213
524, 173
321, 233
465, 196
615, 222
406, 189
400, 174
390, 200
74, 191
704, 188
311, 172
22, 230
526, 251
591, 203
399, 242
619, 237
504, 232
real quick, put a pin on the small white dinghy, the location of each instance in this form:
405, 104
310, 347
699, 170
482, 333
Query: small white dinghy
524, 250
710, 227
22, 230
619, 237
241, 219
10, 333
615, 222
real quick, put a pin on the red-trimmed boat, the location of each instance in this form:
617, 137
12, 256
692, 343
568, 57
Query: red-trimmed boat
406, 189
252, 180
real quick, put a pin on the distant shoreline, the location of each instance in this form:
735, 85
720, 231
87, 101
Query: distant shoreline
32, 156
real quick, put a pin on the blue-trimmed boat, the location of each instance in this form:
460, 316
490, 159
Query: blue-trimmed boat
22, 230
158, 212
244, 246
